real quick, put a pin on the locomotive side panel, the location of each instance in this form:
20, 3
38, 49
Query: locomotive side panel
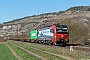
45, 35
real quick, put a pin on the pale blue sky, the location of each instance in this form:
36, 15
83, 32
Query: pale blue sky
14, 9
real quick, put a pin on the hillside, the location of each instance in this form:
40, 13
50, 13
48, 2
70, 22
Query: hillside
76, 18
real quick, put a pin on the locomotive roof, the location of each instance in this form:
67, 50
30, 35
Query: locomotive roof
57, 25
45, 28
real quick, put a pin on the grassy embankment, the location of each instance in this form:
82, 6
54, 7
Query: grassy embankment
41, 53
55, 50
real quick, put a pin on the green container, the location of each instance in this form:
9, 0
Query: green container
33, 34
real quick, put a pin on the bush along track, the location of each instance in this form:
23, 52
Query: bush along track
53, 49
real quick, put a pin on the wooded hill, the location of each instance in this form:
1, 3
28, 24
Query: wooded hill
76, 18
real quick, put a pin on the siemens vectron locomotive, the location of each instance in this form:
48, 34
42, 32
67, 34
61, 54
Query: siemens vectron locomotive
53, 34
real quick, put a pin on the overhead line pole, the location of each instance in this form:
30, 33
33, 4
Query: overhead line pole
17, 31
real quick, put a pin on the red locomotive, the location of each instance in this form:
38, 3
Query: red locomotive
53, 34
60, 34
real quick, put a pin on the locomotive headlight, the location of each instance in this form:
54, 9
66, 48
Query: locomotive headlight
62, 36
52, 34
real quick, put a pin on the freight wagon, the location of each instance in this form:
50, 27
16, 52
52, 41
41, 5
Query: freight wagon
33, 35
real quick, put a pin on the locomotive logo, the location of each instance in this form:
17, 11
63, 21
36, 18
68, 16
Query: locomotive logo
42, 34
33, 34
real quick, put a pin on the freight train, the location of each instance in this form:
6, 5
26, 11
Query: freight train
54, 35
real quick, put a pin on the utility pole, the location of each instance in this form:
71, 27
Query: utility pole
17, 31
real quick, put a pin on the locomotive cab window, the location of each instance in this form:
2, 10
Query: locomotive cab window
51, 30
62, 29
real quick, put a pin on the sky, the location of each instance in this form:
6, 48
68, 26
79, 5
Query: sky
14, 9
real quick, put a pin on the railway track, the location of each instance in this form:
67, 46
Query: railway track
83, 50
76, 47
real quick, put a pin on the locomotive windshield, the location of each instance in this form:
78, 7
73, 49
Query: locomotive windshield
61, 29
